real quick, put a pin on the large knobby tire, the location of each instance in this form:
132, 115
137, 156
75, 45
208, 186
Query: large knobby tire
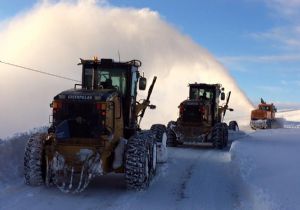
160, 133
233, 125
34, 160
225, 134
171, 136
171, 139
159, 130
140, 160
218, 136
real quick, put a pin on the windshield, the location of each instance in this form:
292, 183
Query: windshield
201, 93
266, 108
106, 78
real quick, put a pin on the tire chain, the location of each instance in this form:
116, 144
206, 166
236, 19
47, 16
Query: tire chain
136, 155
33, 160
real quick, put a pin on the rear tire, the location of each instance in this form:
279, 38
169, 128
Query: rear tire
34, 160
140, 163
160, 133
171, 136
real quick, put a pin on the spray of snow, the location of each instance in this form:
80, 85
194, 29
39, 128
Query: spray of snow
51, 37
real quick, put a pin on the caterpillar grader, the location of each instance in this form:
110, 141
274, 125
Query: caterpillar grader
264, 116
201, 118
95, 130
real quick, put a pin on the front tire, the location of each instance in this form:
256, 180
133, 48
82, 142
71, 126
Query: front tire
140, 164
225, 134
233, 125
34, 160
218, 136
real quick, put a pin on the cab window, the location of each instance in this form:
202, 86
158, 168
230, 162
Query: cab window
110, 79
200, 93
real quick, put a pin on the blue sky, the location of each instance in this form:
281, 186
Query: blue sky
257, 40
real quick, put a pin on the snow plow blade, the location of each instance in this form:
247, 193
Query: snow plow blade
260, 124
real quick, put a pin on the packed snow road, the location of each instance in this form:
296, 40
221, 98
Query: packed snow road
193, 178
259, 171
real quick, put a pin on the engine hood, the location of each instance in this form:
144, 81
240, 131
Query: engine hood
258, 114
192, 102
86, 95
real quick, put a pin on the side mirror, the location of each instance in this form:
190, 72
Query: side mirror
152, 106
142, 83
222, 96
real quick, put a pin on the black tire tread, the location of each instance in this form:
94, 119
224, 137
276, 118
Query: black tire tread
136, 153
34, 166
217, 136
158, 130
171, 136
232, 125
225, 134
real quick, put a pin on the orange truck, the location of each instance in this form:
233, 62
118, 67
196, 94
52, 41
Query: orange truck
263, 117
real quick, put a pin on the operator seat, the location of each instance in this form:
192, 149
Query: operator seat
107, 84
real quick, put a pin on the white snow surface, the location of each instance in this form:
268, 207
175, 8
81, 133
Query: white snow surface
268, 162
259, 170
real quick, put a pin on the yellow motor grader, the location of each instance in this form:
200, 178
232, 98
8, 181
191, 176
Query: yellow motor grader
201, 118
95, 130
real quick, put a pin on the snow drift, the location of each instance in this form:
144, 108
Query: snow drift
268, 163
52, 36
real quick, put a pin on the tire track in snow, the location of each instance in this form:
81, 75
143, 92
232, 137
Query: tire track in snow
183, 186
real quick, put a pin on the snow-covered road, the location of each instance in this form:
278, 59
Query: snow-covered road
193, 178
259, 171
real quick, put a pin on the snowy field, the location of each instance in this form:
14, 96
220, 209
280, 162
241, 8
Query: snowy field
268, 163
260, 170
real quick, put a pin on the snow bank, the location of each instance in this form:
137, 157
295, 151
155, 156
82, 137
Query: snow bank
12, 156
269, 165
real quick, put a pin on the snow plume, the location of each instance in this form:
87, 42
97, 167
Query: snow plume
54, 34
